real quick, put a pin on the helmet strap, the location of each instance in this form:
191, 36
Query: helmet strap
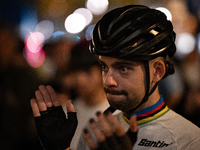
147, 87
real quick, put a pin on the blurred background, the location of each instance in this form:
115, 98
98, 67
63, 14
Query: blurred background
36, 38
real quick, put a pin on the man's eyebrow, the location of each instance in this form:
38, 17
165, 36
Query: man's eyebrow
121, 63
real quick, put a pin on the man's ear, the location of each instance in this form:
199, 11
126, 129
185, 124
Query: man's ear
159, 70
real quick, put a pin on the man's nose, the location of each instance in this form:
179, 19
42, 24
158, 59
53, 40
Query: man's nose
109, 80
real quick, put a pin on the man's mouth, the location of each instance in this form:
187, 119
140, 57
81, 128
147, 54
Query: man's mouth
115, 92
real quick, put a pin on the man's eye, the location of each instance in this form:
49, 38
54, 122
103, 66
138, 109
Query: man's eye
124, 69
104, 67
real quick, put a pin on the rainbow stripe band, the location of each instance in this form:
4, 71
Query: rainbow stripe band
150, 113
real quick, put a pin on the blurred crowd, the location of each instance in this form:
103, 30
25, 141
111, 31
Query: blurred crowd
76, 75
182, 90
18, 81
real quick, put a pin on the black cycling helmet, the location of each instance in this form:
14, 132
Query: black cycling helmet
135, 32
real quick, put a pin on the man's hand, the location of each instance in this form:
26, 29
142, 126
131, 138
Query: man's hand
109, 133
54, 129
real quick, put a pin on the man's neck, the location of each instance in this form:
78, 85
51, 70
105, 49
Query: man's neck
152, 99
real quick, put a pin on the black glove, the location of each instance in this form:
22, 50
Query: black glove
54, 129
132, 136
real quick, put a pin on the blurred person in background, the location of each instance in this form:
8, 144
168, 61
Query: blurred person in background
18, 81
191, 98
190, 66
56, 65
181, 91
172, 88
57, 51
84, 75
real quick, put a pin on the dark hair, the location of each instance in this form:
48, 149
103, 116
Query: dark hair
81, 58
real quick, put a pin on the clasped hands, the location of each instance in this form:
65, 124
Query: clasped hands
56, 130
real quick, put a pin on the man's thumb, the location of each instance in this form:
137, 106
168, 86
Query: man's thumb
70, 106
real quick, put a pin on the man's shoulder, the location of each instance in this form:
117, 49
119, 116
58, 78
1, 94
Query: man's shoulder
172, 124
171, 131
173, 120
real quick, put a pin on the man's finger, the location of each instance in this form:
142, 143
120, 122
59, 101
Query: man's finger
35, 109
46, 96
89, 140
118, 129
40, 101
133, 123
53, 96
70, 106
97, 132
105, 126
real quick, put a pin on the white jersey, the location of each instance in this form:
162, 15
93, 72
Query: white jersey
160, 128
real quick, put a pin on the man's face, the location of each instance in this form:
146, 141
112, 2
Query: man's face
123, 82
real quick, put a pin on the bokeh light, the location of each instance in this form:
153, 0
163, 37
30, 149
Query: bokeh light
88, 32
35, 60
58, 34
34, 41
46, 27
64, 36
75, 23
86, 13
198, 42
97, 7
27, 23
166, 12
185, 43
33, 52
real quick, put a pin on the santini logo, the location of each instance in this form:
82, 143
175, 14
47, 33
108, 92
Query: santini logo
148, 143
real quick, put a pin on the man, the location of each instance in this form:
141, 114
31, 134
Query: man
134, 44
